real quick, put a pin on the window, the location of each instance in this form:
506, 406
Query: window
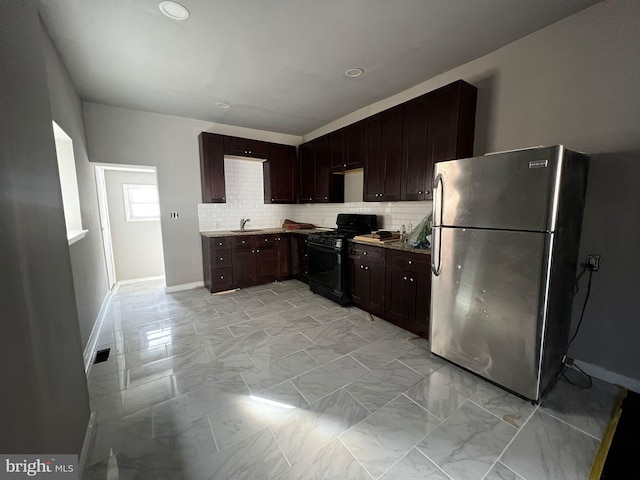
141, 203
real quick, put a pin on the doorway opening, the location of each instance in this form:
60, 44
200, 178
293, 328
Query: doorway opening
130, 223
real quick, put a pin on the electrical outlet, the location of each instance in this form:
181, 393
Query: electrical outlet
593, 262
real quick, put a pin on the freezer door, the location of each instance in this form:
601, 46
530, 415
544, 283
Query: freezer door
513, 191
487, 304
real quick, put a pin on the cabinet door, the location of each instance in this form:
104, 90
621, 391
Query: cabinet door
244, 261
359, 283
452, 111
337, 151
398, 295
377, 288
280, 174
373, 168
354, 145
283, 257
299, 257
392, 153
323, 170
245, 147
417, 166
265, 264
307, 172
212, 168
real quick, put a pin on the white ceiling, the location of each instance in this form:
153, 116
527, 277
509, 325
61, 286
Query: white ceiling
279, 63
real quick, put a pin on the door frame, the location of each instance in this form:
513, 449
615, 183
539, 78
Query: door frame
103, 209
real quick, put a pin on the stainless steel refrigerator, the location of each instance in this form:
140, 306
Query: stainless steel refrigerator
505, 245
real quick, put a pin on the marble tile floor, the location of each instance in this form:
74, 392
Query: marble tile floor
275, 382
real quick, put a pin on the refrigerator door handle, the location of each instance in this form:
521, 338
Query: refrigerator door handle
436, 235
438, 191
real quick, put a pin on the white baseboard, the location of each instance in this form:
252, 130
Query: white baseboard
87, 445
92, 343
138, 280
608, 376
184, 286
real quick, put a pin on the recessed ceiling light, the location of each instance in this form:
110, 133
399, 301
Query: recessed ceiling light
223, 105
174, 10
354, 72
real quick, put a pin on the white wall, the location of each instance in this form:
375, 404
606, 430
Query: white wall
137, 246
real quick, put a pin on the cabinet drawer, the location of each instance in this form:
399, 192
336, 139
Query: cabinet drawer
220, 243
365, 252
264, 240
221, 279
221, 258
243, 241
410, 262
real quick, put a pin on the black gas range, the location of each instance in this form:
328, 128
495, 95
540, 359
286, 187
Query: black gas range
328, 265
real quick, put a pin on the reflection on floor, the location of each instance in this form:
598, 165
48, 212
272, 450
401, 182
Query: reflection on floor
276, 382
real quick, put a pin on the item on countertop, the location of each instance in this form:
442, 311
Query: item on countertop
420, 237
371, 238
291, 225
382, 234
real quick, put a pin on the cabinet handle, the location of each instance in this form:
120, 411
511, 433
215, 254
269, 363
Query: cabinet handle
221, 277
426, 192
404, 278
410, 262
364, 253
420, 192
220, 258
253, 251
243, 242
273, 200
361, 266
366, 268
344, 165
220, 243
411, 279
258, 251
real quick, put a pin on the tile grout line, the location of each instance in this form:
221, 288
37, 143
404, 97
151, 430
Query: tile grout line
572, 426
213, 434
510, 442
492, 414
431, 460
275, 439
354, 456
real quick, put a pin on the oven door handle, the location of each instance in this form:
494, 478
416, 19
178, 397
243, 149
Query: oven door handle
324, 248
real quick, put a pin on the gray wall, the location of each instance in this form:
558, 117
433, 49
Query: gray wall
137, 246
87, 257
118, 135
44, 404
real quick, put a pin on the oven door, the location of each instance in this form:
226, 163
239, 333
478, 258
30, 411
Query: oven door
326, 266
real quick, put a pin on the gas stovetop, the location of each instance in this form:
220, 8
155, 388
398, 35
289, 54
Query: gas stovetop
349, 225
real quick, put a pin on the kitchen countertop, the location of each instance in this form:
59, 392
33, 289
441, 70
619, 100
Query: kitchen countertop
261, 231
394, 246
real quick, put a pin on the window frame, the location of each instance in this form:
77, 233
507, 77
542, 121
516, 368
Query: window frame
126, 188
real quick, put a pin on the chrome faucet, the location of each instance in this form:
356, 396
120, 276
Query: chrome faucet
243, 222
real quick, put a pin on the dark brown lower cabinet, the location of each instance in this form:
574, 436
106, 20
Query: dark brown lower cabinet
246, 260
408, 291
282, 246
253, 260
216, 254
367, 274
299, 257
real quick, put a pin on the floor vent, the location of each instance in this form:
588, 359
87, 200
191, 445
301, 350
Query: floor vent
102, 355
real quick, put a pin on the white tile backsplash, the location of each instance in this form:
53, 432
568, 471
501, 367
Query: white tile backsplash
245, 199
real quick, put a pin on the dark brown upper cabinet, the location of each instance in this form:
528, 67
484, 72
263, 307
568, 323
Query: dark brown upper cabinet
346, 147
280, 174
317, 184
245, 147
212, 168
452, 117
383, 156
417, 164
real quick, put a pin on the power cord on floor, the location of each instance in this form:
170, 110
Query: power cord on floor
573, 366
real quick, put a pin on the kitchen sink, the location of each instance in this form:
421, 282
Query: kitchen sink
247, 230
